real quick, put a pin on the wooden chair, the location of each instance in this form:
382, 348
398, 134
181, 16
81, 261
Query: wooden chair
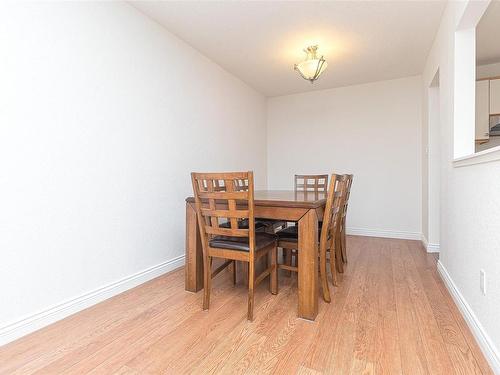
213, 204
266, 225
344, 214
239, 185
329, 232
314, 183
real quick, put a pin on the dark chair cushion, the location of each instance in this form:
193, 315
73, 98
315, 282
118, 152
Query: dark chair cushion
289, 233
243, 224
292, 233
271, 222
262, 240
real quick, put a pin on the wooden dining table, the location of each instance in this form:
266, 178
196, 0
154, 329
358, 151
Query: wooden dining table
306, 208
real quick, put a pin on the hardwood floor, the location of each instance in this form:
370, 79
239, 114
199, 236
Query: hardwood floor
391, 314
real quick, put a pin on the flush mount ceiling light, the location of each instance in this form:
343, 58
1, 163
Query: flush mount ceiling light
312, 67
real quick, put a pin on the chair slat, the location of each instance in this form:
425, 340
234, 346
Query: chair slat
237, 195
230, 184
211, 203
237, 214
222, 176
218, 231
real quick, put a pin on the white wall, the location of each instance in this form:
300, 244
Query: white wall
371, 130
103, 115
425, 175
434, 168
470, 204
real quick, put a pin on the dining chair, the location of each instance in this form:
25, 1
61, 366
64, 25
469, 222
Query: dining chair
239, 185
328, 232
314, 183
344, 214
266, 225
311, 182
232, 204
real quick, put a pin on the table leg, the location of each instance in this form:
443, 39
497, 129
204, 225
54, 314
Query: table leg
308, 265
194, 253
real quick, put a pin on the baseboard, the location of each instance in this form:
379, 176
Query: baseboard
384, 233
31, 323
430, 247
487, 347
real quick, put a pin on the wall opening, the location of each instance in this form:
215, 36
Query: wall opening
487, 126
464, 117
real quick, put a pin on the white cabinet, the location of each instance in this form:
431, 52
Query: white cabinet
483, 109
495, 96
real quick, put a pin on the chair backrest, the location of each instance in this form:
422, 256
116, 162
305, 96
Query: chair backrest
228, 196
333, 210
314, 182
349, 178
240, 185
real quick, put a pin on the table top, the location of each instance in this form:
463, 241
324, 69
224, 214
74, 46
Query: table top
286, 198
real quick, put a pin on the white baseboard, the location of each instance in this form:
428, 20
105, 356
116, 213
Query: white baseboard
488, 348
31, 323
384, 233
430, 247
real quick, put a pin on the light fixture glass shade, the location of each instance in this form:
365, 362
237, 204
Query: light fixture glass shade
312, 67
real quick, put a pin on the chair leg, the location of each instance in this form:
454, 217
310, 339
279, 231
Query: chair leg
207, 280
324, 277
296, 258
244, 267
338, 254
234, 272
288, 260
251, 285
333, 269
343, 245
273, 279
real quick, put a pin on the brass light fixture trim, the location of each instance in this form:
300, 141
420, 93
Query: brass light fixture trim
312, 67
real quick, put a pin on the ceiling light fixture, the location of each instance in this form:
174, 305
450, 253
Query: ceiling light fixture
312, 67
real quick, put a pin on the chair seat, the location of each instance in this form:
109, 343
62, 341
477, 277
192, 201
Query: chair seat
271, 222
289, 233
262, 240
292, 233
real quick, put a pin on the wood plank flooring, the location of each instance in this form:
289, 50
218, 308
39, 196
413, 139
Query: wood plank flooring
391, 314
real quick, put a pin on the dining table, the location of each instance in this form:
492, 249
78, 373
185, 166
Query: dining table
304, 207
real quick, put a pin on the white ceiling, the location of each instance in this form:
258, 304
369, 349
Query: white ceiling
259, 41
487, 36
